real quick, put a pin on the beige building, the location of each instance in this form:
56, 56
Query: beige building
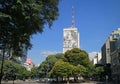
115, 62
109, 47
111, 54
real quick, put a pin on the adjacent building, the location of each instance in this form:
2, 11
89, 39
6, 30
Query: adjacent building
97, 58
109, 46
28, 64
115, 62
111, 54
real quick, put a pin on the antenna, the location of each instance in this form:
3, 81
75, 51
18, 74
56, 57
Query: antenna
73, 21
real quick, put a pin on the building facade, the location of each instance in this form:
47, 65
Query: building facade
115, 62
97, 58
28, 64
111, 54
70, 38
109, 46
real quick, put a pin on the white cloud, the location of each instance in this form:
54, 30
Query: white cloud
92, 55
46, 53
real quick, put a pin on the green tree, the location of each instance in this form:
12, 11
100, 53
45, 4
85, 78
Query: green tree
99, 70
60, 56
25, 74
82, 70
22, 18
47, 65
79, 57
51, 59
62, 69
99, 73
11, 68
43, 69
35, 72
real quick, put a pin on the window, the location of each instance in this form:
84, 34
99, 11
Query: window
115, 36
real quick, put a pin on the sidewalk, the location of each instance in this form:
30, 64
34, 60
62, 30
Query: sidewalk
17, 81
96, 82
34, 82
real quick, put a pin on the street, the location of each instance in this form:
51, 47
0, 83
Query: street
34, 82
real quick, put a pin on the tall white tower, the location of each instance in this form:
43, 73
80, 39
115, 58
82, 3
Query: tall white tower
70, 36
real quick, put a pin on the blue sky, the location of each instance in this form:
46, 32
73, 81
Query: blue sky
95, 20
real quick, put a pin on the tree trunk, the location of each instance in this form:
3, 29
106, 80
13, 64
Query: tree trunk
1, 73
68, 80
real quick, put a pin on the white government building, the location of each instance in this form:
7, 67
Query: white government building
70, 39
70, 36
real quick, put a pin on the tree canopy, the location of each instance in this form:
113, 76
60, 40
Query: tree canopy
62, 69
77, 57
20, 19
11, 68
46, 66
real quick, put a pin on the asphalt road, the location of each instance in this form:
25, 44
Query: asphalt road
34, 82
